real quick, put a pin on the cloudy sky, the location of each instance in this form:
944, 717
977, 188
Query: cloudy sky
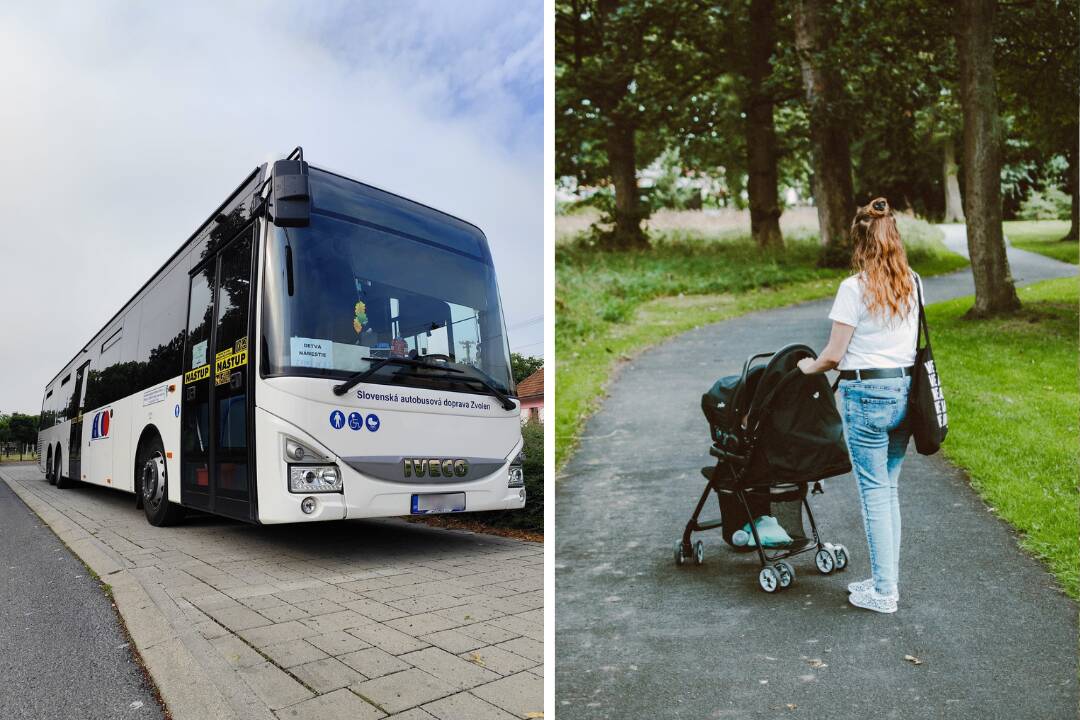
124, 124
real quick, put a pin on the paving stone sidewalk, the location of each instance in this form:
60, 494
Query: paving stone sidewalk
357, 619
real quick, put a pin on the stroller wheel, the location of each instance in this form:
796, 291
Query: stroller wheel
786, 573
699, 553
680, 553
841, 554
825, 561
768, 580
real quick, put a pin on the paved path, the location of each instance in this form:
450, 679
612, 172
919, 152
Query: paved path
638, 637
356, 619
62, 651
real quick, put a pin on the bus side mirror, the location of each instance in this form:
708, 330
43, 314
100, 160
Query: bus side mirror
290, 199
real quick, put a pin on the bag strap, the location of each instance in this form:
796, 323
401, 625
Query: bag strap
923, 329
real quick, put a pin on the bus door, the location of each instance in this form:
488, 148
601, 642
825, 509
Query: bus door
215, 418
75, 438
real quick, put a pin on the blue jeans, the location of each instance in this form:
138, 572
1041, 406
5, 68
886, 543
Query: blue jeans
877, 433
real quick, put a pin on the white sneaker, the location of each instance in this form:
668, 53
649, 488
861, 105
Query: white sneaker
871, 600
867, 585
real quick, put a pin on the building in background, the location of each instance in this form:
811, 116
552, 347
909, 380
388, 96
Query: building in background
531, 395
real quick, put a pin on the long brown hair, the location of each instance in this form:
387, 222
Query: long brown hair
879, 257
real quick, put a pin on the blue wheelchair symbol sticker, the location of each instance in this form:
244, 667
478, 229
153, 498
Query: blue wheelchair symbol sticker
356, 420
176, 411
337, 419
372, 422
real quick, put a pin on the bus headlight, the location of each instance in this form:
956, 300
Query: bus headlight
296, 451
314, 478
515, 477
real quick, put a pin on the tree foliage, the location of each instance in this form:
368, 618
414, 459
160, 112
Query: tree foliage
678, 76
522, 366
18, 429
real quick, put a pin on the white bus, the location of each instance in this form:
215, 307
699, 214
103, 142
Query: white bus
319, 349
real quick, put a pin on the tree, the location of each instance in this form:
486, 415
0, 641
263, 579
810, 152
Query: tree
728, 122
523, 366
994, 289
760, 129
954, 204
830, 145
1074, 181
600, 44
1038, 68
617, 69
22, 431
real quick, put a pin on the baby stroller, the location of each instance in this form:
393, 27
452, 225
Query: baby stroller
774, 431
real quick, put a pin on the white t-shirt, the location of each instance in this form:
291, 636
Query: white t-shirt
875, 343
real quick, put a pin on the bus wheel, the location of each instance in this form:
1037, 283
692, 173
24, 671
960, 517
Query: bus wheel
49, 468
58, 476
154, 485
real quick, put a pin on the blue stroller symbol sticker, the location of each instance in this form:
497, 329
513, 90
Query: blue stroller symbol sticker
372, 422
356, 420
337, 419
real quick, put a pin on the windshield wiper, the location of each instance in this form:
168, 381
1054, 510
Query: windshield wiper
503, 398
362, 375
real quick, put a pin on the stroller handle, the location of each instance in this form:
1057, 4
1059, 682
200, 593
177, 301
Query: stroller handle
750, 360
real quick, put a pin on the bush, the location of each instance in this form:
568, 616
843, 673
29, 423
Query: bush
1051, 204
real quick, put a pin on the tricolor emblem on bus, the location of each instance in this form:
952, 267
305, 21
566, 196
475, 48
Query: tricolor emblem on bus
100, 429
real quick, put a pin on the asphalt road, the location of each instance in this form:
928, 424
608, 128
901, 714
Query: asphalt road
62, 652
637, 637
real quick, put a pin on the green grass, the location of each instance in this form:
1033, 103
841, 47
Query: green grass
611, 305
1012, 389
1044, 237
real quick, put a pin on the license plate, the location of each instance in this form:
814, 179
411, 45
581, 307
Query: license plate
429, 503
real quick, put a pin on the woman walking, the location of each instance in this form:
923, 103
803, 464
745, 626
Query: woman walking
875, 325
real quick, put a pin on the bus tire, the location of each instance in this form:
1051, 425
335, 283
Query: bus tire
49, 466
59, 480
154, 484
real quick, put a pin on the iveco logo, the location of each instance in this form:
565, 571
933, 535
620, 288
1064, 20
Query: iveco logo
435, 467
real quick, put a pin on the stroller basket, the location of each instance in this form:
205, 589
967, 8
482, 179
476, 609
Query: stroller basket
774, 431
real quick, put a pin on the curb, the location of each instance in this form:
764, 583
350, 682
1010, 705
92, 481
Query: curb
193, 682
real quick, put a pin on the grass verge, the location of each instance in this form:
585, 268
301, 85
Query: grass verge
611, 305
1012, 388
1043, 237
18, 458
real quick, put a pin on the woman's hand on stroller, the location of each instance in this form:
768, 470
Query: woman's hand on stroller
832, 354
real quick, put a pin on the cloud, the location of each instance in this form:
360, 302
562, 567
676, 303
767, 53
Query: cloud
125, 124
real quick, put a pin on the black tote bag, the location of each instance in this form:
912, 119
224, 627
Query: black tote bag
927, 415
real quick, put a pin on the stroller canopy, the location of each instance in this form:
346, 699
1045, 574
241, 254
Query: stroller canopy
782, 422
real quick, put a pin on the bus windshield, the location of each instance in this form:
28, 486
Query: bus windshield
345, 292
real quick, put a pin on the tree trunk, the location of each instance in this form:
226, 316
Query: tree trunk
1074, 181
830, 146
994, 290
622, 159
760, 131
954, 205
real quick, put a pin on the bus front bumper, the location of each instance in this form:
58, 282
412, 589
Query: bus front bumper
363, 496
